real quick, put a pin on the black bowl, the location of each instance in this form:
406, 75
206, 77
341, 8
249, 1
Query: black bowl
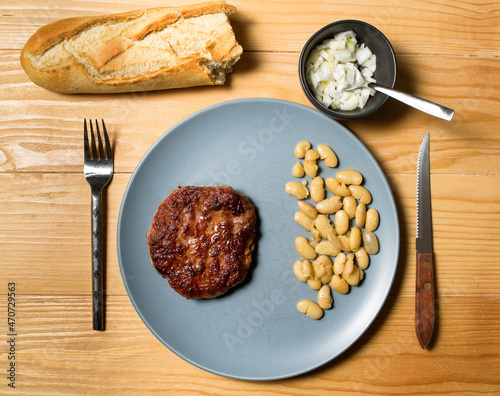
385, 73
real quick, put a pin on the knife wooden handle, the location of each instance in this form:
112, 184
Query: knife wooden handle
424, 298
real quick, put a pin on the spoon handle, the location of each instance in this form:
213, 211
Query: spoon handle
421, 104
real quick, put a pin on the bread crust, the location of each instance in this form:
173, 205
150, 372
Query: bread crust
108, 63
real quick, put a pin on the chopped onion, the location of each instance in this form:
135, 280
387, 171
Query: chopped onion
331, 72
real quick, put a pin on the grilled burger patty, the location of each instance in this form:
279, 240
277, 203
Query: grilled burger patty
201, 240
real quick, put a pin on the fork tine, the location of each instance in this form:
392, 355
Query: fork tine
86, 148
99, 140
94, 148
106, 139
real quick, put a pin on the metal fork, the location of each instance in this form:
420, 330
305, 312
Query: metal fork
98, 170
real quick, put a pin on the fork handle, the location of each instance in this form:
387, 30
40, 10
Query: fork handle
97, 263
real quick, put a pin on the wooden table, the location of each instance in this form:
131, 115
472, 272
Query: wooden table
447, 52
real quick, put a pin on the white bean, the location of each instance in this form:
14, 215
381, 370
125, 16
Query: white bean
335, 240
325, 299
297, 190
303, 270
301, 148
350, 206
298, 170
325, 262
339, 284
348, 266
304, 248
324, 226
353, 278
317, 189
338, 263
349, 176
311, 155
370, 242
327, 247
314, 284
309, 210
362, 258
303, 220
345, 242
335, 187
327, 155
323, 268
341, 222
361, 194
311, 168
372, 220
355, 238
310, 308
329, 205
360, 215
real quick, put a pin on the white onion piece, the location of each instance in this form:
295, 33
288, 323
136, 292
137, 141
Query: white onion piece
330, 71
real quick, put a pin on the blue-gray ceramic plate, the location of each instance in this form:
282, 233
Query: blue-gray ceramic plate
254, 332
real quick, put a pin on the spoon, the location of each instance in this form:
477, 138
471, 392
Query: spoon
421, 104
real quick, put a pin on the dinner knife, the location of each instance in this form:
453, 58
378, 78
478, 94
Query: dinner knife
424, 293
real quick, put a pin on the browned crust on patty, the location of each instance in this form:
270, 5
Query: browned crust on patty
201, 240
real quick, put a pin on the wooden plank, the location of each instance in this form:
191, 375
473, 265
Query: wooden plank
41, 131
285, 25
58, 353
447, 52
45, 234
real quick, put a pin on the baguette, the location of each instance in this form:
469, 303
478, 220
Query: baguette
152, 49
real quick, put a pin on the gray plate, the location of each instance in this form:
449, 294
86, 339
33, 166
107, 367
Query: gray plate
254, 332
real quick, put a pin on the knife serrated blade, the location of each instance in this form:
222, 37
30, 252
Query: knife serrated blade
424, 292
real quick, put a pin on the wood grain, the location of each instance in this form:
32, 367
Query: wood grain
62, 355
424, 298
284, 25
53, 209
446, 52
52, 141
